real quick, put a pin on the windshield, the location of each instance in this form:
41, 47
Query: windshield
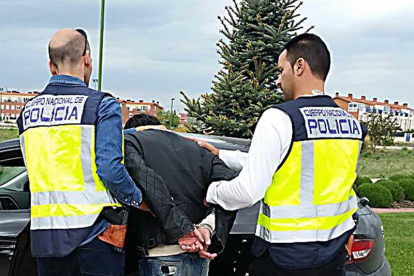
8, 173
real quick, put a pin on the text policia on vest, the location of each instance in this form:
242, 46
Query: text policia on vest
53, 110
329, 122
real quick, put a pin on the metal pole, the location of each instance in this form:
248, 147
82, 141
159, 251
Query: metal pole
101, 45
171, 114
1, 103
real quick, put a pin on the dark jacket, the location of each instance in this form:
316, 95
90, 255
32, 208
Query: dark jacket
173, 174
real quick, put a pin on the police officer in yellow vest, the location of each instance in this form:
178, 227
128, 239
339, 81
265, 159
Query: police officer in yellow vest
72, 143
301, 165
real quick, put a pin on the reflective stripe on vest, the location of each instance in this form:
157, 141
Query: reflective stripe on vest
66, 192
311, 197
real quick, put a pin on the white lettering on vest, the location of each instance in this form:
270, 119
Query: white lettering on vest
330, 122
48, 110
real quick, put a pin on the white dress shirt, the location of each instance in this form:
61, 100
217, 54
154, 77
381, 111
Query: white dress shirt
269, 147
270, 144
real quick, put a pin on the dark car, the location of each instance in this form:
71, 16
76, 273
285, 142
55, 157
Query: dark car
15, 259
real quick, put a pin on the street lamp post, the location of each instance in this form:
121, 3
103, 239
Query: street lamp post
171, 115
1, 104
101, 44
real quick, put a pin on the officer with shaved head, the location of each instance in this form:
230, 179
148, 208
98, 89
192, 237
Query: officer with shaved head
71, 139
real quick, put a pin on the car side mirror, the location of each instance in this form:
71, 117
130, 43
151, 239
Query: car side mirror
363, 202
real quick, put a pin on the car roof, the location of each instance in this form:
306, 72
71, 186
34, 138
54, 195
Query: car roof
14, 143
10, 153
221, 142
11, 146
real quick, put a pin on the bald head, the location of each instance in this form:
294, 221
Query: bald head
66, 48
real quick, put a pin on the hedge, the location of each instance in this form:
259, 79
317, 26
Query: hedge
378, 195
408, 185
361, 180
396, 190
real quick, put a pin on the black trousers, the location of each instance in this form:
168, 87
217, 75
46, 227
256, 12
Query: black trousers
265, 266
96, 258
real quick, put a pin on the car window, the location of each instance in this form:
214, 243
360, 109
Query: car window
8, 173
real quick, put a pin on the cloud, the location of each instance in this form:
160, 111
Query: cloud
154, 49
371, 46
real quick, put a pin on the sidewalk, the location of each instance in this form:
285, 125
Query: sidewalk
399, 210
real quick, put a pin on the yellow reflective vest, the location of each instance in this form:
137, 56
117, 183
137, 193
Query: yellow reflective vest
311, 198
57, 137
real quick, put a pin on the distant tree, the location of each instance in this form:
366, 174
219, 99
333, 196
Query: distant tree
165, 117
255, 32
193, 125
381, 129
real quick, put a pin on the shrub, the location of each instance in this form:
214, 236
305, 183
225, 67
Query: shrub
397, 177
408, 185
361, 180
381, 181
396, 190
378, 195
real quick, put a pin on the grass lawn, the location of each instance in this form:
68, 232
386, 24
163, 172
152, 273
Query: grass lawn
386, 163
7, 134
399, 242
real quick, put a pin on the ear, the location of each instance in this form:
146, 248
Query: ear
300, 66
52, 68
87, 59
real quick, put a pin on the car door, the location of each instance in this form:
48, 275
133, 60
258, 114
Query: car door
14, 203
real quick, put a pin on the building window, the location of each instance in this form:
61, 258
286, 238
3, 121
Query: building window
13, 107
352, 107
18, 107
7, 106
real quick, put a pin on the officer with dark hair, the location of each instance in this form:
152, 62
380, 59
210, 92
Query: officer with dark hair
301, 165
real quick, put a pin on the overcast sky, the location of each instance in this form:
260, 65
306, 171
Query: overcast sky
154, 49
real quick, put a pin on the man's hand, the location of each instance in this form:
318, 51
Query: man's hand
198, 241
206, 255
192, 242
205, 145
206, 235
207, 238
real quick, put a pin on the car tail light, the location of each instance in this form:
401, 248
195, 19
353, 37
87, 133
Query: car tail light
361, 250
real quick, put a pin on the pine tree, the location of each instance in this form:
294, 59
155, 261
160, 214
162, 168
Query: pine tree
255, 32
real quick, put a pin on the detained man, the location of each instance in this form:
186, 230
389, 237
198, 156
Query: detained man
177, 173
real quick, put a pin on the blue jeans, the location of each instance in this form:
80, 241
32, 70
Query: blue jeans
186, 264
92, 259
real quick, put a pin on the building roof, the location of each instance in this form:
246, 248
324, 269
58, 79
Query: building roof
16, 93
373, 102
139, 103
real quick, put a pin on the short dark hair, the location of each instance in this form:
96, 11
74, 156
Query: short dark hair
141, 120
71, 52
311, 48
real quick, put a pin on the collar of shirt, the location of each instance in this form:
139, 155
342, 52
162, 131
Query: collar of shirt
315, 92
65, 79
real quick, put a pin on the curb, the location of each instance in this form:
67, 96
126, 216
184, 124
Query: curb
387, 210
